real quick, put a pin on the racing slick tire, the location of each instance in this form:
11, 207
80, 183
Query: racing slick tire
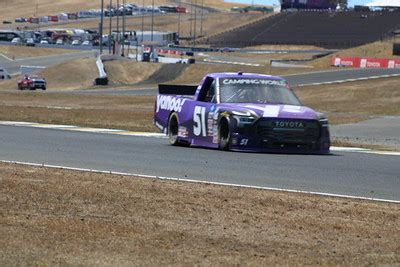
173, 128
224, 135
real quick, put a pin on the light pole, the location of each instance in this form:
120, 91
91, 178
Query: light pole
109, 34
123, 10
195, 20
201, 17
101, 27
179, 20
152, 19
191, 18
142, 20
123, 30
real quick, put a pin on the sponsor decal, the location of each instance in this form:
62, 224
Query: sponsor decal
244, 141
210, 123
373, 65
289, 124
346, 63
253, 81
159, 126
183, 132
292, 109
268, 111
166, 102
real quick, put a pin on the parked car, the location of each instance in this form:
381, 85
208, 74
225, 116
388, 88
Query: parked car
31, 83
86, 43
30, 42
20, 20
59, 42
16, 40
44, 41
76, 42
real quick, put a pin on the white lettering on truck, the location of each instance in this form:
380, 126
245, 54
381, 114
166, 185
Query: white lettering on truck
167, 102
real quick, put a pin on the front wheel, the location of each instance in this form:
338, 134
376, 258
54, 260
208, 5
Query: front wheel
173, 128
224, 135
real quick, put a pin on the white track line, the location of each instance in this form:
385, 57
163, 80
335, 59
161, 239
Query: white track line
203, 182
231, 62
161, 135
351, 80
9, 59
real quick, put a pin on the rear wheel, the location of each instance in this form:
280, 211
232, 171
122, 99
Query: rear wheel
224, 134
173, 128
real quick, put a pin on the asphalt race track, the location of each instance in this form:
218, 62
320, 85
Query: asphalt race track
13, 66
355, 174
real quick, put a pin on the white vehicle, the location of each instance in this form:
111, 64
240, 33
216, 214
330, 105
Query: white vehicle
59, 42
16, 40
86, 43
30, 42
76, 42
44, 42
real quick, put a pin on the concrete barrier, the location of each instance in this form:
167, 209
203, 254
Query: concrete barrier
102, 79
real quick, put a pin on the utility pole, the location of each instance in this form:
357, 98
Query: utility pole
201, 17
191, 18
110, 30
123, 10
123, 30
101, 27
152, 20
142, 20
179, 21
195, 20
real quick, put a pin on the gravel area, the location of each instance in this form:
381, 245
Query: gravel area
383, 131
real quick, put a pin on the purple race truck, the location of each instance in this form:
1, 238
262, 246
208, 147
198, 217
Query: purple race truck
241, 112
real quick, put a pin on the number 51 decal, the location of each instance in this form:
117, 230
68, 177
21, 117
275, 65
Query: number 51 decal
199, 120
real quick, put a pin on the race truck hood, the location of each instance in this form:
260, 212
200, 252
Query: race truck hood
272, 110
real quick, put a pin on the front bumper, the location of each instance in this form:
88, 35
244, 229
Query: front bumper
264, 136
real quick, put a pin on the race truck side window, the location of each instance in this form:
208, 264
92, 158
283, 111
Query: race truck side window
208, 92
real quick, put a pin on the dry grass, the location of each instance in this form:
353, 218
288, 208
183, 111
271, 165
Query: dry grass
52, 216
116, 112
354, 100
377, 49
263, 58
129, 72
15, 52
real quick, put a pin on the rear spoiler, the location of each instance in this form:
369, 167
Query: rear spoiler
175, 89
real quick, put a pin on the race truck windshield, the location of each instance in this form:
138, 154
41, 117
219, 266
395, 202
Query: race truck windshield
248, 90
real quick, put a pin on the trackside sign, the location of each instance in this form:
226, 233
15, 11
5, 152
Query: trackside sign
357, 62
